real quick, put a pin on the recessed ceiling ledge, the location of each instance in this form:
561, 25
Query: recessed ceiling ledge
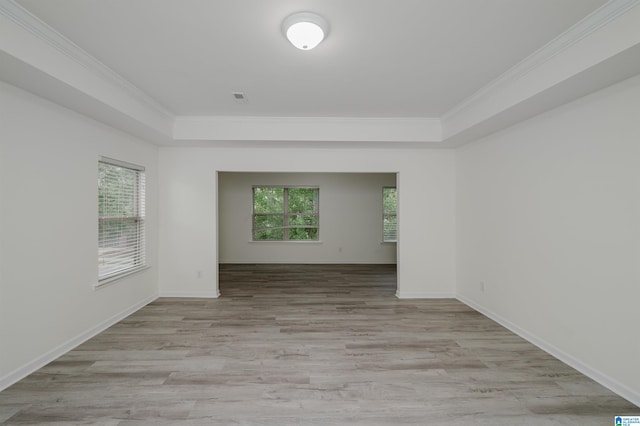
343, 129
41, 60
599, 38
600, 50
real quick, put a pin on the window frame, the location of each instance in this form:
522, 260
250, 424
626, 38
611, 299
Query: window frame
286, 214
138, 254
386, 213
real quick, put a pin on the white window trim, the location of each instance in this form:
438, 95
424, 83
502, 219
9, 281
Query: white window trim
121, 163
112, 278
286, 242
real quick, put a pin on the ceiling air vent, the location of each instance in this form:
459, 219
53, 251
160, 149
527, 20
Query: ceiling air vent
240, 97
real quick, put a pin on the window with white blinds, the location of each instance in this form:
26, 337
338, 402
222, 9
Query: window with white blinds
389, 215
121, 197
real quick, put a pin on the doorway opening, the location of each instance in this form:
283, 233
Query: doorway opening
353, 227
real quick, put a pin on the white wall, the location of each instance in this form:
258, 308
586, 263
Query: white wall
48, 230
549, 219
350, 219
188, 211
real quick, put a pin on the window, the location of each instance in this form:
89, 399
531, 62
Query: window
285, 213
121, 243
389, 215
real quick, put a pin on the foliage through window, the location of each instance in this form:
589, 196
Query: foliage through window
390, 215
285, 213
121, 213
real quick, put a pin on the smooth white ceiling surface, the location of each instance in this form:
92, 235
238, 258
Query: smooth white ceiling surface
382, 58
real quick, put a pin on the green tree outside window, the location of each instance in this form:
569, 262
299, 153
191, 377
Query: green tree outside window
285, 213
389, 215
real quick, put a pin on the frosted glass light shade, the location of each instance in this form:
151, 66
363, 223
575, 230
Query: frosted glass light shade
305, 30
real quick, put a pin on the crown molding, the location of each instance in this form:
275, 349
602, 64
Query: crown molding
590, 24
53, 38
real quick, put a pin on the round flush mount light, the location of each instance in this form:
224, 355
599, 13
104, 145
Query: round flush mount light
305, 30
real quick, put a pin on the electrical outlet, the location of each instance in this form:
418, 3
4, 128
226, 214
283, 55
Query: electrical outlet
482, 286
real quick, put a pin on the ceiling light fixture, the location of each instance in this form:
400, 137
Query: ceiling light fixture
305, 30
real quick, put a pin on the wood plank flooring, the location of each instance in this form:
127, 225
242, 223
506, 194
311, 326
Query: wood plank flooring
308, 345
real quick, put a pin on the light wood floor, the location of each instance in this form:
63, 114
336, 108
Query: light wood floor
308, 345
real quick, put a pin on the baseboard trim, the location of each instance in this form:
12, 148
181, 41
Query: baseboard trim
305, 262
194, 294
408, 295
606, 381
22, 372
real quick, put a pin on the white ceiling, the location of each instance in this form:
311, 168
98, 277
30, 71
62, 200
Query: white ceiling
382, 58
415, 73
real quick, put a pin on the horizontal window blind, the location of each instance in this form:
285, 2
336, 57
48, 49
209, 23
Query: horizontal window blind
121, 216
390, 215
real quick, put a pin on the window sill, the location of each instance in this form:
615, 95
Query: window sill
113, 279
286, 242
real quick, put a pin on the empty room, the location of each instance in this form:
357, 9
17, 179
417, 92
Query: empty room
277, 212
